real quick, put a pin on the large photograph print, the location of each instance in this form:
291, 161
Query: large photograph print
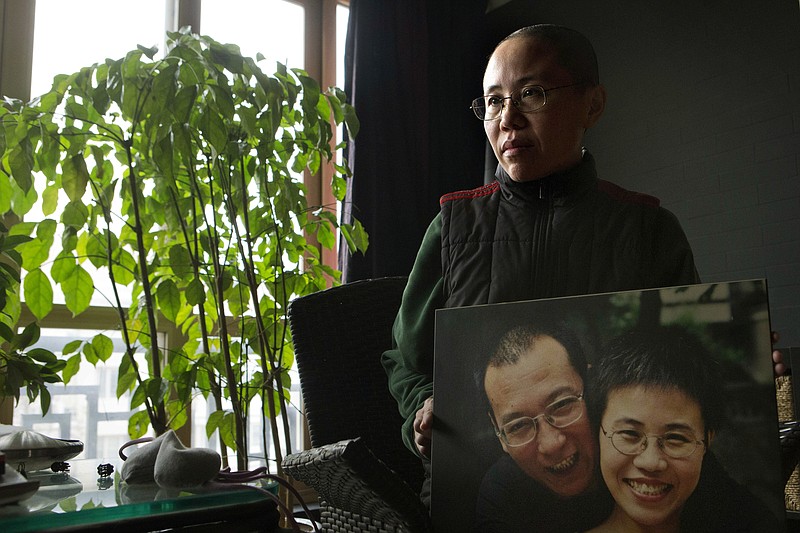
651, 409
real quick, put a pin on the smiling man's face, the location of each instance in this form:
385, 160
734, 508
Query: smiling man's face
531, 146
561, 459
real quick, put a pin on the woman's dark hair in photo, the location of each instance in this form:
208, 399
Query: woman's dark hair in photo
663, 357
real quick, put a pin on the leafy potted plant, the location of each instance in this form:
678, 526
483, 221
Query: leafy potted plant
180, 179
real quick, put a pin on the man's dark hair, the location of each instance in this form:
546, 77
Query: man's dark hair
520, 340
575, 51
663, 357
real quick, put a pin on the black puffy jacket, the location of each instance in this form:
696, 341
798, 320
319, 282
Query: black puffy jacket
564, 235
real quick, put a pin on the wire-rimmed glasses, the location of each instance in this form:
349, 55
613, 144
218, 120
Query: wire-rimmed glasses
527, 100
559, 414
678, 443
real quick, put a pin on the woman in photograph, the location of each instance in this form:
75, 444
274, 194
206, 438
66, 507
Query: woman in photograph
657, 404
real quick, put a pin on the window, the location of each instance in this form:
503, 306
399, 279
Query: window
274, 28
103, 31
87, 409
56, 36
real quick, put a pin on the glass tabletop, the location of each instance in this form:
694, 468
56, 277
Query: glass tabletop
81, 500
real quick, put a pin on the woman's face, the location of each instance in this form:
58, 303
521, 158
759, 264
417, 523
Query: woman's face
651, 487
531, 146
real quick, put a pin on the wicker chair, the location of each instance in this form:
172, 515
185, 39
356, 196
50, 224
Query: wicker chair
365, 478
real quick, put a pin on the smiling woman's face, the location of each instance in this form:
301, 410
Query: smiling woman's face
531, 146
651, 487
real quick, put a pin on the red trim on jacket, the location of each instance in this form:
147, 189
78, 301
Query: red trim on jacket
484, 190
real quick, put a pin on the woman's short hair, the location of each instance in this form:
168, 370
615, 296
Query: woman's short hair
575, 51
665, 357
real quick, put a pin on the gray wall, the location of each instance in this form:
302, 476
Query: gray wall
703, 112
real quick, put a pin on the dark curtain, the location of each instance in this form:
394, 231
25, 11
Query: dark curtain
412, 67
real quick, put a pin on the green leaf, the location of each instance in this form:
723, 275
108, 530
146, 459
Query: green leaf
28, 337
237, 300
213, 422
124, 267
14, 380
227, 430
75, 177
138, 424
49, 200
5, 194
75, 214
20, 232
226, 56
72, 367
22, 201
351, 121
42, 355
78, 289
44, 400
69, 505
103, 346
181, 110
356, 236
46, 229
96, 250
215, 131
169, 299
195, 292
178, 413
38, 293
13, 241
324, 108
20, 159
49, 151
89, 354
35, 252
63, 266
163, 156
69, 238
180, 261
71, 347
148, 52
325, 236
88, 505
126, 377
6, 333
339, 187
10, 273
138, 397
156, 389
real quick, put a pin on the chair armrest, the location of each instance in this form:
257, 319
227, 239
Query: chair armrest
349, 476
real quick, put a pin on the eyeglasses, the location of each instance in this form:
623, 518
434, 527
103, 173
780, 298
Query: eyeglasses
526, 100
676, 444
559, 414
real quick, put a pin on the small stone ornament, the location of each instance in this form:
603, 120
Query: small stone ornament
60, 466
105, 470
